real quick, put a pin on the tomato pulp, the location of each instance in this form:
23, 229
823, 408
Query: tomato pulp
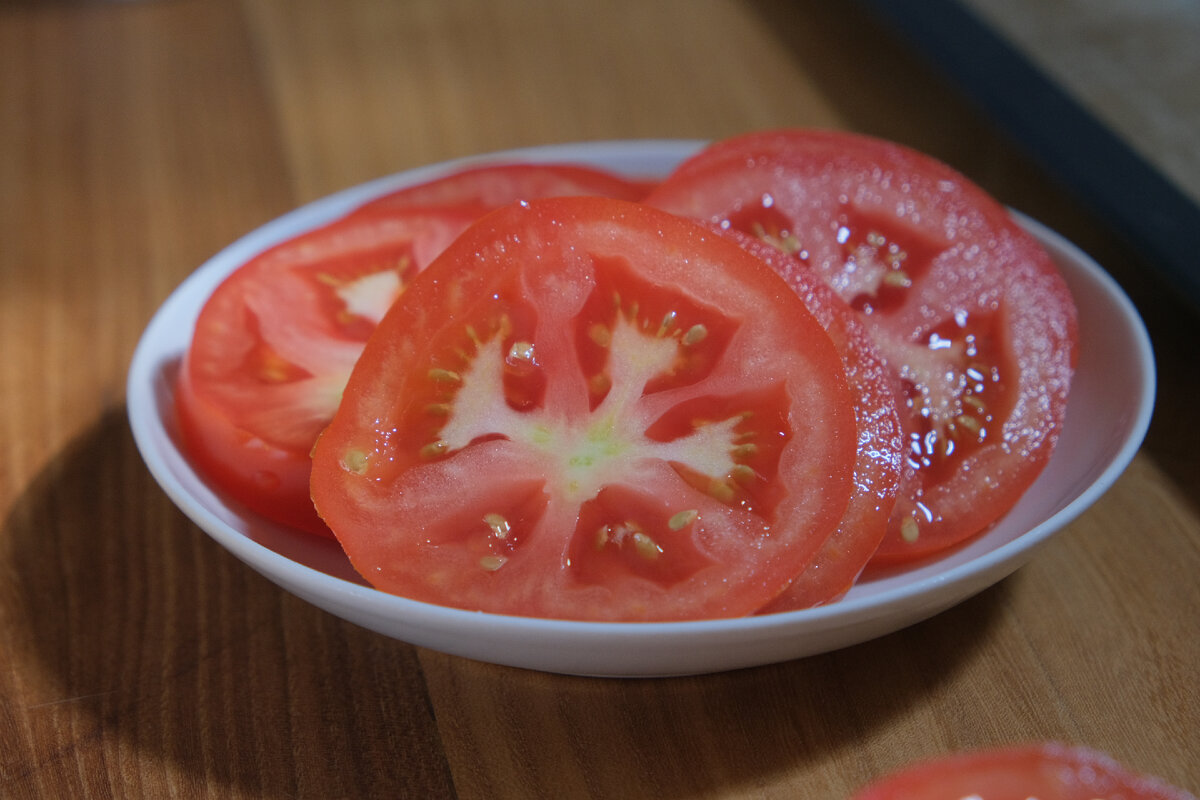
590, 409
976, 326
274, 345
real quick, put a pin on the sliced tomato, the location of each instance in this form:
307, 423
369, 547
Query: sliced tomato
275, 343
969, 312
1027, 772
590, 409
493, 185
877, 468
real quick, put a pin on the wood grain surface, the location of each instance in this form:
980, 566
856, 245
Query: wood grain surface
139, 659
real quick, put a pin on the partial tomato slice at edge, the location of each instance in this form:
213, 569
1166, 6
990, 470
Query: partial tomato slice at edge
428, 400
490, 186
276, 341
1049, 771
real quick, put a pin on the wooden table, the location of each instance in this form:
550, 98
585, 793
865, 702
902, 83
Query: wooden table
139, 659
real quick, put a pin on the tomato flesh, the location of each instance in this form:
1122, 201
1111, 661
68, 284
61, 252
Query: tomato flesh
1027, 772
877, 467
969, 313
275, 344
590, 409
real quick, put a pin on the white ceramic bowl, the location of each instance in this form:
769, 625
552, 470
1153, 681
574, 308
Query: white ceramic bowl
1109, 411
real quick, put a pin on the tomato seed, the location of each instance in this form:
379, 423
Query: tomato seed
782, 240
744, 450
646, 547
355, 461
682, 519
521, 351
721, 491
492, 563
742, 473
434, 449
970, 423
498, 524
600, 335
668, 322
695, 335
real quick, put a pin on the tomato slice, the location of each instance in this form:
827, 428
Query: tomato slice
590, 409
877, 467
1027, 772
493, 185
274, 345
968, 311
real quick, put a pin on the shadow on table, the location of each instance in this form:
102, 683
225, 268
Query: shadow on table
152, 647
163, 664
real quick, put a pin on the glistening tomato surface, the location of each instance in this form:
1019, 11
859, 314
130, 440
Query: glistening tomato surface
968, 311
275, 343
1033, 772
880, 440
590, 409
494, 185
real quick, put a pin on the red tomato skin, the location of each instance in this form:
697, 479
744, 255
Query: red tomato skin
420, 543
493, 185
1050, 771
971, 259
